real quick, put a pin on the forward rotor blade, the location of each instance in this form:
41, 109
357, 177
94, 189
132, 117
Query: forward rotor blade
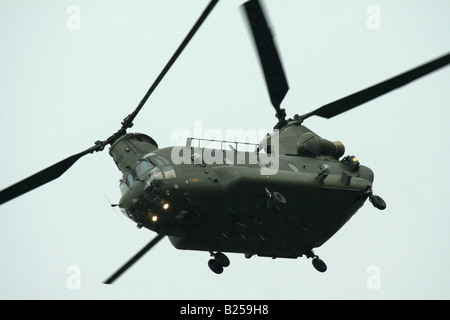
127, 123
349, 102
42, 177
269, 58
55, 171
135, 258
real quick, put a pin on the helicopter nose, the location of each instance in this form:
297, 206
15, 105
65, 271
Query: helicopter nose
153, 189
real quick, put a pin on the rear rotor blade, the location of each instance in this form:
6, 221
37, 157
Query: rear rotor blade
135, 258
270, 61
42, 177
349, 102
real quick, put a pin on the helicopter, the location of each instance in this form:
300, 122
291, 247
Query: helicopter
285, 214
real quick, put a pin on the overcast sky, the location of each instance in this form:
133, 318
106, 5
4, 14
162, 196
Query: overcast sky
72, 70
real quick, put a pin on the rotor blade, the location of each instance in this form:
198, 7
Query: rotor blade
127, 122
55, 171
136, 257
42, 177
269, 58
349, 102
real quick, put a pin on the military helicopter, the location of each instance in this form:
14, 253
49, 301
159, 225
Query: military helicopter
287, 196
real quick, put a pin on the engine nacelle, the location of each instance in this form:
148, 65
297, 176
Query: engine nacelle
310, 144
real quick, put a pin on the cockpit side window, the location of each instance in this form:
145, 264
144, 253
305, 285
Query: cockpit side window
143, 166
130, 179
123, 187
156, 174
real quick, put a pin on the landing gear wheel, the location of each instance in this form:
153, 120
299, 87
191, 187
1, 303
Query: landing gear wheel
215, 266
319, 265
219, 262
378, 202
275, 201
222, 259
278, 198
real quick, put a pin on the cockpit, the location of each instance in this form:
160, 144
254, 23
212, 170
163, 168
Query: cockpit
149, 168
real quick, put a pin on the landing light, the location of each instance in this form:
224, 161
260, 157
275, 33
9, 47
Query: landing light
155, 218
165, 206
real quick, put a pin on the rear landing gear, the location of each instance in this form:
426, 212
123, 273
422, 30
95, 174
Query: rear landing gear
219, 262
317, 263
377, 202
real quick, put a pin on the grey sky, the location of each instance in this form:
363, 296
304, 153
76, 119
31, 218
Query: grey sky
61, 89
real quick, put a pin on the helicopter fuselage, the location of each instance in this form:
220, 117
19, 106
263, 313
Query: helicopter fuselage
226, 200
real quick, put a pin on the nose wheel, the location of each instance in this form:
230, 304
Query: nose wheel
319, 265
218, 262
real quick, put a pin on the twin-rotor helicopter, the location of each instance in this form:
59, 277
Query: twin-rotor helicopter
281, 198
